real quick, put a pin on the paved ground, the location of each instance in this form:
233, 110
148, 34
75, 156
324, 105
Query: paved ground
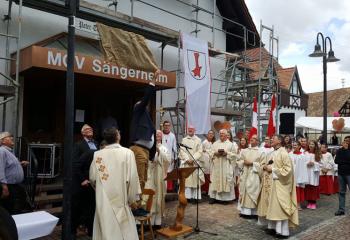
224, 220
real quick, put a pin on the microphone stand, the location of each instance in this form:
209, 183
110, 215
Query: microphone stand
196, 228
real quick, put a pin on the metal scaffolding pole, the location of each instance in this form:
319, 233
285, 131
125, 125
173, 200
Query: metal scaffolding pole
259, 81
16, 99
69, 125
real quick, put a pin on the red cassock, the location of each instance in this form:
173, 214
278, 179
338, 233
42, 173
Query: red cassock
170, 186
205, 186
326, 184
312, 193
300, 194
237, 188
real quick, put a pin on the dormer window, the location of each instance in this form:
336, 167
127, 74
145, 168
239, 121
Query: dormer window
294, 87
294, 98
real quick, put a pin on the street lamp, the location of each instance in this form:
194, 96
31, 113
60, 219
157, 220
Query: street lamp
322, 52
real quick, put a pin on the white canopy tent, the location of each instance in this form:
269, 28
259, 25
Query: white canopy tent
316, 123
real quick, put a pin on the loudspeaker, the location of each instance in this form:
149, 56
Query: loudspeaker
287, 123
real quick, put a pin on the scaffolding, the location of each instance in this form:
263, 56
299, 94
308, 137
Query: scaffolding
233, 96
9, 90
250, 76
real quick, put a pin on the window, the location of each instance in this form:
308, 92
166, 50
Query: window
294, 101
294, 88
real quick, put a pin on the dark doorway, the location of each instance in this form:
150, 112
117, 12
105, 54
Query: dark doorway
287, 123
44, 104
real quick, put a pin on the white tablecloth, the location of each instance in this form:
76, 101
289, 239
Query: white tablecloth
34, 225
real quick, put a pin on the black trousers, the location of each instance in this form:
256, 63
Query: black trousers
16, 202
8, 230
83, 208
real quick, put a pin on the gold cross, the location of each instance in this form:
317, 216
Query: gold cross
99, 160
102, 168
105, 176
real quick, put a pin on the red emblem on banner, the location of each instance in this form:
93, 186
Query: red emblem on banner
197, 64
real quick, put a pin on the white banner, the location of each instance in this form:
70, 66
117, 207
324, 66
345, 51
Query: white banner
197, 82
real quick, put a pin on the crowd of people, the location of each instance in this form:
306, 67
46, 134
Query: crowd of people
270, 182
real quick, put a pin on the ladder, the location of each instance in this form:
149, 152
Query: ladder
9, 88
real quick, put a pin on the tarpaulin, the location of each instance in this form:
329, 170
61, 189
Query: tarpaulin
126, 49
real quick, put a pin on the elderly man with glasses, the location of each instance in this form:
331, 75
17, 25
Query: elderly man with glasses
13, 197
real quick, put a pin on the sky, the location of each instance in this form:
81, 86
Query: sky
296, 24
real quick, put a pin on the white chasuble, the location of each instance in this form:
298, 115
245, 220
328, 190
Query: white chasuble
283, 201
222, 168
114, 176
250, 183
195, 144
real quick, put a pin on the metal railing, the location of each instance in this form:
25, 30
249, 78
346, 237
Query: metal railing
31, 173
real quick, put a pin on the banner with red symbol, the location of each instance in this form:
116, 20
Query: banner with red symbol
197, 82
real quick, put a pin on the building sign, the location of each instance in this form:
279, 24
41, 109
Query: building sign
86, 26
51, 58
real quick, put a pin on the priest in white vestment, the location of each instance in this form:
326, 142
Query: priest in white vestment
113, 174
194, 145
266, 181
157, 170
282, 212
223, 157
206, 148
250, 180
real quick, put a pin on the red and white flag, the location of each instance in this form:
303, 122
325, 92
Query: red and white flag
271, 129
254, 128
197, 82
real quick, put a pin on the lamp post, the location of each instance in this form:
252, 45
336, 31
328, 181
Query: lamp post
322, 52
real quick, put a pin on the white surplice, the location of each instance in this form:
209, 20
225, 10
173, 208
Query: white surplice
314, 171
300, 168
169, 141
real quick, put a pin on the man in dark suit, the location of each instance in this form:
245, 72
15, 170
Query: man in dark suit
142, 132
83, 195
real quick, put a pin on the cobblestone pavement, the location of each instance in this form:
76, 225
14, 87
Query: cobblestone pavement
224, 221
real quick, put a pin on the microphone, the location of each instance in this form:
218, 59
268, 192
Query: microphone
270, 162
185, 146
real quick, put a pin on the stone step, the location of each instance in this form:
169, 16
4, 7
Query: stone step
48, 199
56, 211
49, 187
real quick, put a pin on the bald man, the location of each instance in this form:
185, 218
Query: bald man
223, 161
